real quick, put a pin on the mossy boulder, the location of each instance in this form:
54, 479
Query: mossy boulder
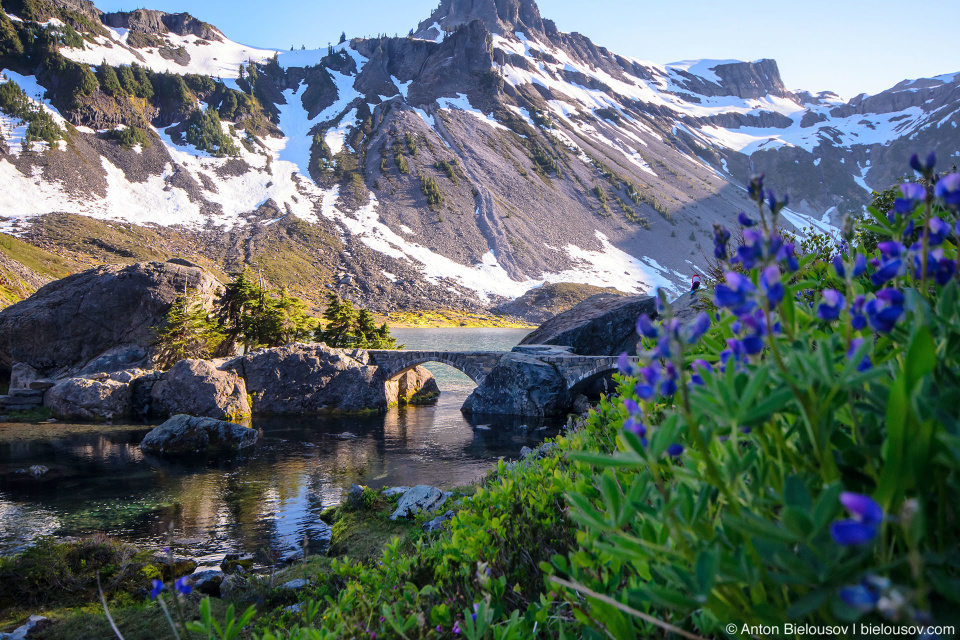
190, 435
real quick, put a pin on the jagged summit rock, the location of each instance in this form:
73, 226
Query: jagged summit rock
503, 17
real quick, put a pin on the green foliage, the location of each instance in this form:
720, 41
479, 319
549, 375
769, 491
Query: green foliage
109, 82
543, 162
346, 327
250, 314
541, 119
189, 331
399, 159
430, 188
205, 132
449, 168
411, 144
130, 137
40, 124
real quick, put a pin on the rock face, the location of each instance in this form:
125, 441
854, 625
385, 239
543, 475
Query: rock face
198, 388
602, 325
70, 322
420, 498
21, 375
416, 386
187, 434
520, 385
86, 399
310, 378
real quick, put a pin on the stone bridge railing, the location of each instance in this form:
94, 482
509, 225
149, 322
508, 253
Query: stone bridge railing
478, 364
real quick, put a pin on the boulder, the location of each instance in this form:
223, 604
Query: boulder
198, 388
86, 399
394, 491
299, 583
188, 434
602, 325
109, 311
437, 523
520, 385
302, 379
21, 375
414, 386
207, 581
420, 498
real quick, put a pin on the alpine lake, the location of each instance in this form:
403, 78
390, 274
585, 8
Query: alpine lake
268, 501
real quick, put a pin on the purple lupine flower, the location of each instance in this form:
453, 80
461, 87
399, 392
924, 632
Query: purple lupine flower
182, 586
838, 266
669, 385
650, 373
624, 364
945, 270
885, 310
157, 588
864, 363
913, 191
476, 608
456, 628
646, 328
752, 344
644, 391
903, 206
745, 220
698, 366
774, 204
439, 629
889, 270
720, 239
891, 249
923, 167
696, 329
787, 257
948, 190
755, 187
939, 230
772, 287
831, 306
663, 348
859, 265
675, 450
631, 406
863, 526
735, 294
857, 320
860, 597
751, 250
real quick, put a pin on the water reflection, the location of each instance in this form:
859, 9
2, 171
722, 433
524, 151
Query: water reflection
98, 480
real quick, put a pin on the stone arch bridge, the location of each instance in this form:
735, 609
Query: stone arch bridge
574, 368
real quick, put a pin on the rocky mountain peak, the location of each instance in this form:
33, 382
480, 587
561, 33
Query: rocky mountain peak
157, 23
503, 17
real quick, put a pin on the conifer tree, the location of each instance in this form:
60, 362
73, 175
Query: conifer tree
188, 332
341, 318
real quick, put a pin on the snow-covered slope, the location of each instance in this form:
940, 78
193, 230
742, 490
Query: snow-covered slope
473, 159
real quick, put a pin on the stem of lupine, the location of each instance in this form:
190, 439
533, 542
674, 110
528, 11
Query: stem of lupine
927, 209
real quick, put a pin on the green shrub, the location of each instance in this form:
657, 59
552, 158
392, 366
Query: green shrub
40, 124
430, 188
205, 132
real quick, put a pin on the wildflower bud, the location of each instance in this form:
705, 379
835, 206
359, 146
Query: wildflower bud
848, 228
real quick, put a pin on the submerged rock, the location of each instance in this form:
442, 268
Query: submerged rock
199, 388
187, 434
420, 498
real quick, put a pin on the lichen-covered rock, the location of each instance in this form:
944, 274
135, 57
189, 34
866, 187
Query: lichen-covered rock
21, 375
520, 385
308, 379
199, 388
86, 399
420, 498
188, 434
437, 523
75, 320
414, 386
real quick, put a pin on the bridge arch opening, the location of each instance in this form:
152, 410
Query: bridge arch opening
595, 383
